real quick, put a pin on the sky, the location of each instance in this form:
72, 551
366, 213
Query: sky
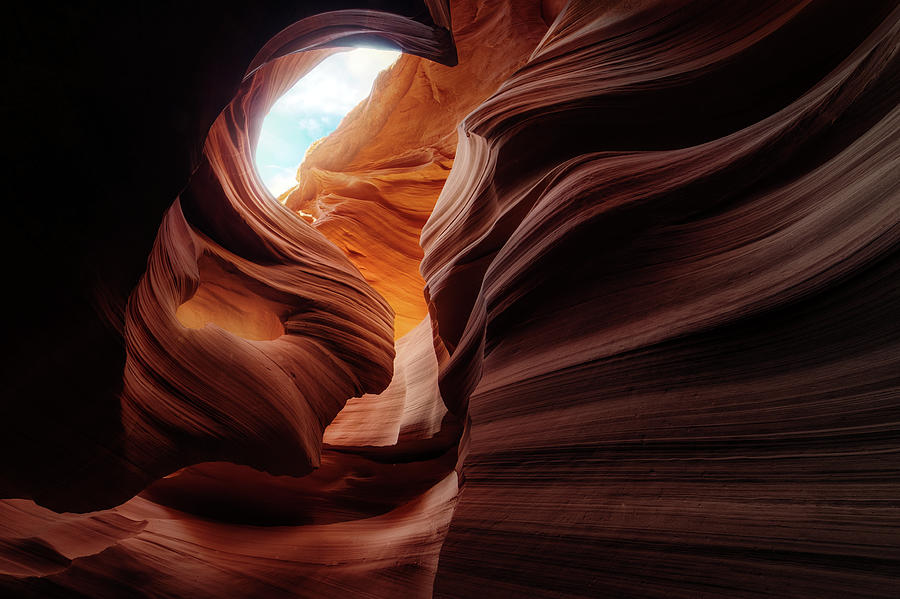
312, 109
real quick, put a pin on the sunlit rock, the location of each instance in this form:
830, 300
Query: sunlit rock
587, 299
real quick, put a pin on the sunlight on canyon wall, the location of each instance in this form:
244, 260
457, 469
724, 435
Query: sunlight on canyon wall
586, 299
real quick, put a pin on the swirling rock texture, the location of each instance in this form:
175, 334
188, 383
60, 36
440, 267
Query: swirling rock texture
371, 185
587, 299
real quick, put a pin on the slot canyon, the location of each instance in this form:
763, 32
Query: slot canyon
587, 298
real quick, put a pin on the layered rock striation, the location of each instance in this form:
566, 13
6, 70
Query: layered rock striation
587, 299
664, 269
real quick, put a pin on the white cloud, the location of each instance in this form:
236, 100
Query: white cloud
312, 109
314, 125
336, 85
278, 179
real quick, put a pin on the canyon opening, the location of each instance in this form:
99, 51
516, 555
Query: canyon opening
312, 109
574, 299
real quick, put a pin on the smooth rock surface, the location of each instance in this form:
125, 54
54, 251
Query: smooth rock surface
588, 299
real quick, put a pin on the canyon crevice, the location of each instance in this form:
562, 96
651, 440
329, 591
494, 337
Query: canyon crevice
586, 299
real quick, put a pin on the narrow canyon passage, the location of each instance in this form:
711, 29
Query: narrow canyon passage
583, 299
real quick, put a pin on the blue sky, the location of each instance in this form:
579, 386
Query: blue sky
312, 109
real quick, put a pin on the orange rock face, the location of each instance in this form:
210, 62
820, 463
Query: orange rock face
587, 299
370, 186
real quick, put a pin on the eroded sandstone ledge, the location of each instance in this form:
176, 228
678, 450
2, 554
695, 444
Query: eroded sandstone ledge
603, 305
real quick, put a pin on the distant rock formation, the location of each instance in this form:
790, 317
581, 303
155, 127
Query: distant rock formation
587, 299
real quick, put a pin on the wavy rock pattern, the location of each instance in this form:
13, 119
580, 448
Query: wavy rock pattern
370, 186
669, 285
608, 308
245, 337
